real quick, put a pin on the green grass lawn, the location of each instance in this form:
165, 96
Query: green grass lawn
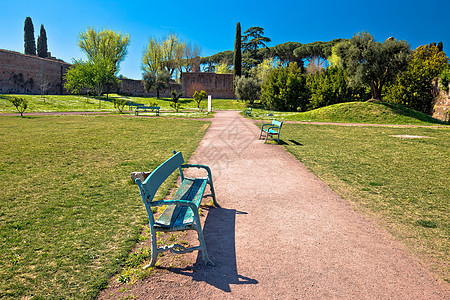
354, 112
401, 182
65, 103
69, 214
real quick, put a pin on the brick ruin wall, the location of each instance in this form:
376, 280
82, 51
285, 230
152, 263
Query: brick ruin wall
219, 86
25, 74
134, 87
441, 109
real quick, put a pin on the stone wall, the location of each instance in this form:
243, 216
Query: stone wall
24, 74
219, 86
441, 109
134, 87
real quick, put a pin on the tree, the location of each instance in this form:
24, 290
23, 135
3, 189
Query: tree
192, 53
285, 53
254, 38
223, 68
199, 97
42, 50
260, 72
315, 53
44, 85
285, 89
21, 104
104, 44
156, 81
175, 97
30, 43
252, 41
247, 89
331, 86
91, 77
413, 87
373, 63
237, 59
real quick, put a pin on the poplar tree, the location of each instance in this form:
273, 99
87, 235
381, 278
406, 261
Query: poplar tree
42, 43
30, 43
237, 52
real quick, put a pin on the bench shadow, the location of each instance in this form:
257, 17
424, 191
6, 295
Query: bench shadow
295, 143
219, 232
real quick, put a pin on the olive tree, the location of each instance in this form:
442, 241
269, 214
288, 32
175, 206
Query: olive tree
372, 63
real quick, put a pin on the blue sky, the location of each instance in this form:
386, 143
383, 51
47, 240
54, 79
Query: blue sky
212, 24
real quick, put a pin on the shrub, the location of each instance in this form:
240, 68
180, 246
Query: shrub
285, 89
247, 89
413, 87
331, 87
445, 79
119, 104
175, 97
21, 104
198, 97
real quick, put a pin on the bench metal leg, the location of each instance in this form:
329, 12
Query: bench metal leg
201, 239
154, 249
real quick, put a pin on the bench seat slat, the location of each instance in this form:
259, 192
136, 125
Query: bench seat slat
182, 216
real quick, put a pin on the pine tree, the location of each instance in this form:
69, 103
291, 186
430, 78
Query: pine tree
30, 44
237, 52
42, 43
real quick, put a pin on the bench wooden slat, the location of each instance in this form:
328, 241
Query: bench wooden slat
176, 216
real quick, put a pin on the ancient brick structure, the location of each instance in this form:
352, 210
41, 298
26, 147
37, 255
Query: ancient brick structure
134, 87
25, 74
219, 86
441, 109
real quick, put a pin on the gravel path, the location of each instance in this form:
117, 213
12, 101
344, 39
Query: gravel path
281, 234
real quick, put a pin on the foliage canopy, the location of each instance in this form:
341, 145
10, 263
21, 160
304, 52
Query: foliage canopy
373, 63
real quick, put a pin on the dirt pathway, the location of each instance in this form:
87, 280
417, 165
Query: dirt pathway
282, 234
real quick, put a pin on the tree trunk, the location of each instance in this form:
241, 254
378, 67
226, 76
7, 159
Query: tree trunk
376, 90
157, 93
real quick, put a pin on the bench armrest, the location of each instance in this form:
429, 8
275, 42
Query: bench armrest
208, 170
262, 127
274, 127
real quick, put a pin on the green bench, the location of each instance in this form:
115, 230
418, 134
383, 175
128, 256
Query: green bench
182, 211
271, 130
248, 111
142, 108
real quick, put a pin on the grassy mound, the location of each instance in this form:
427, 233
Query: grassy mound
361, 112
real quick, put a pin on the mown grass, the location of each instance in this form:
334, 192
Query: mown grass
67, 103
355, 112
401, 181
69, 214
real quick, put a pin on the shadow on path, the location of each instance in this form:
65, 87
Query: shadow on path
219, 231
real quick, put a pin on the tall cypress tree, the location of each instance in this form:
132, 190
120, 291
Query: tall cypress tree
237, 52
30, 43
42, 43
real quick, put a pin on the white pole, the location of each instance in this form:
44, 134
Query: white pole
209, 103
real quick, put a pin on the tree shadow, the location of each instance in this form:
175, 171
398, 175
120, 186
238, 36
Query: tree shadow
219, 232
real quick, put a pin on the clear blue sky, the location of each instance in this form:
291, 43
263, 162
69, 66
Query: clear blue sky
212, 24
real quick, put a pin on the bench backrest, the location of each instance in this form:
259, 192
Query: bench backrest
151, 184
277, 123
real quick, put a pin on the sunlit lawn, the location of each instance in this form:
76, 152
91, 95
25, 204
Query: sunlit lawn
402, 181
68, 212
66, 103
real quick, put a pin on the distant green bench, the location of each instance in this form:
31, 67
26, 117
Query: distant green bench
131, 104
182, 211
271, 129
248, 111
143, 108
